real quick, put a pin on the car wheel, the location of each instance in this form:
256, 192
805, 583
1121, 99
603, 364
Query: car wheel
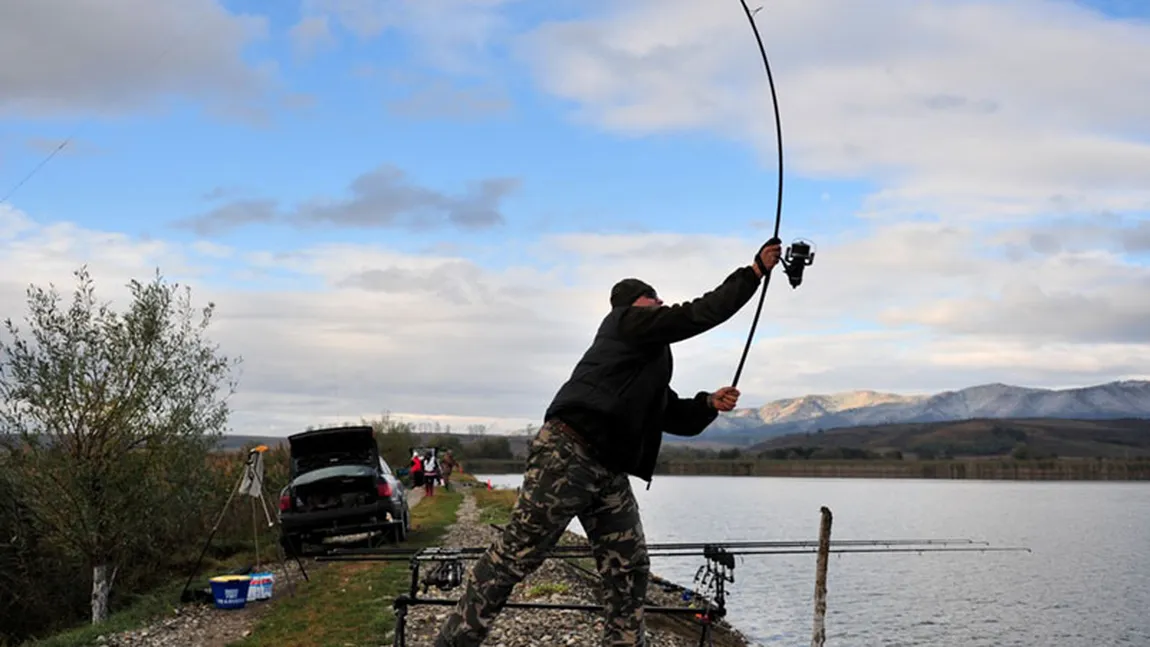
402, 527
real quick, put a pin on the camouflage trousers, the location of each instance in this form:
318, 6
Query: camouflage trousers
561, 481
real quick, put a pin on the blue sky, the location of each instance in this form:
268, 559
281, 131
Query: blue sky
930, 155
152, 170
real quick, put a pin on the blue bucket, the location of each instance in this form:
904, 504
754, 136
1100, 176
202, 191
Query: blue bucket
230, 591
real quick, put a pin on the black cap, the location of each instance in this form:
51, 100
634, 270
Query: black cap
626, 291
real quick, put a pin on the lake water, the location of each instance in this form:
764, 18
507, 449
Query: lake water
1087, 582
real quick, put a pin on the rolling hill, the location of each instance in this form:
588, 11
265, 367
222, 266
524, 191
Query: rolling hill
1110, 401
1125, 438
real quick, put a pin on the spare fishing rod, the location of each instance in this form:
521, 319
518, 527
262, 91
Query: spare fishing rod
706, 550
732, 546
805, 550
800, 253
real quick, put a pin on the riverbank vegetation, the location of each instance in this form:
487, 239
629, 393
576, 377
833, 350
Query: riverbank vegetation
1015, 449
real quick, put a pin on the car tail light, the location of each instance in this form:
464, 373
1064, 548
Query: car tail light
383, 490
285, 503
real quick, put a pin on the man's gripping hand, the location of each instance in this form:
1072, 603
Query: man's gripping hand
767, 257
724, 399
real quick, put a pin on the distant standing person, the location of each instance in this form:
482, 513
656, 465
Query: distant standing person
430, 473
446, 467
605, 423
416, 470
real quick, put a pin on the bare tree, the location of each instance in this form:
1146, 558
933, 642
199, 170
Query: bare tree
477, 430
116, 414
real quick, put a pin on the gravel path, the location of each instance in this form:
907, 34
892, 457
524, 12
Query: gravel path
526, 627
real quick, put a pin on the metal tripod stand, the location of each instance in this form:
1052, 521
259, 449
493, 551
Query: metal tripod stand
250, 482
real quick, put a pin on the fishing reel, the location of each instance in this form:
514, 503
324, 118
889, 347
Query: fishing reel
718, 568
447, 575
799, 255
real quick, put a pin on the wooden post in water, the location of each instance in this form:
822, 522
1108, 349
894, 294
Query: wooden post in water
819, 636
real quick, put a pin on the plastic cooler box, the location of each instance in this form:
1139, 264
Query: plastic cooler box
261, 586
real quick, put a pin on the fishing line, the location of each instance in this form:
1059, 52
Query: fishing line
70, 138
36, 169
799, 253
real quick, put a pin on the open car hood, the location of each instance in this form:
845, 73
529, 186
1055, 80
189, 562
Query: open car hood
326, 447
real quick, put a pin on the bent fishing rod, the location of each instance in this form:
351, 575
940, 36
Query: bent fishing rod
800, 253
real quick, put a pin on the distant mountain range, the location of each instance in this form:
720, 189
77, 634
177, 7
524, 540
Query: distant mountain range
1034, 437
1113, 400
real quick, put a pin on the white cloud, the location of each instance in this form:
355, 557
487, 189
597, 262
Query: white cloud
82, 56
214, 250
335, 332
967, 109
454, 35
438, 99
311, 34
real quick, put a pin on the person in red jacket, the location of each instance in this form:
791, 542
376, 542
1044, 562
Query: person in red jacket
416, 470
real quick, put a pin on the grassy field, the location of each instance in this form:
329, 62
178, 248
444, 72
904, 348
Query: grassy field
350, 603
494, 505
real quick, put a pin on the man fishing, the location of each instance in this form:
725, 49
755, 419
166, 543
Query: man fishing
605, 423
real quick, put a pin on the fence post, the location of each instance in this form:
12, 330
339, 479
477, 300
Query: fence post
819, 635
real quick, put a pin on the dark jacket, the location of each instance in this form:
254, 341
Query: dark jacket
619, 396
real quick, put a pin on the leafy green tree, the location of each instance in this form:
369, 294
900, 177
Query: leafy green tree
395, 440
116, 415
494, 447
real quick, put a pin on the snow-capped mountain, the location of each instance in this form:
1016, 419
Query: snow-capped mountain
1124, 399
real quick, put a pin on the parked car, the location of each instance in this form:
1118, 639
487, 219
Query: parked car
339, 485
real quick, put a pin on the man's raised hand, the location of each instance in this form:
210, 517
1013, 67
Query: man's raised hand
725, 398
767, 257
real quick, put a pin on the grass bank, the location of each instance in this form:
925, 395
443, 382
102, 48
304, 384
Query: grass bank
138, 609
494, 505
349, 603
